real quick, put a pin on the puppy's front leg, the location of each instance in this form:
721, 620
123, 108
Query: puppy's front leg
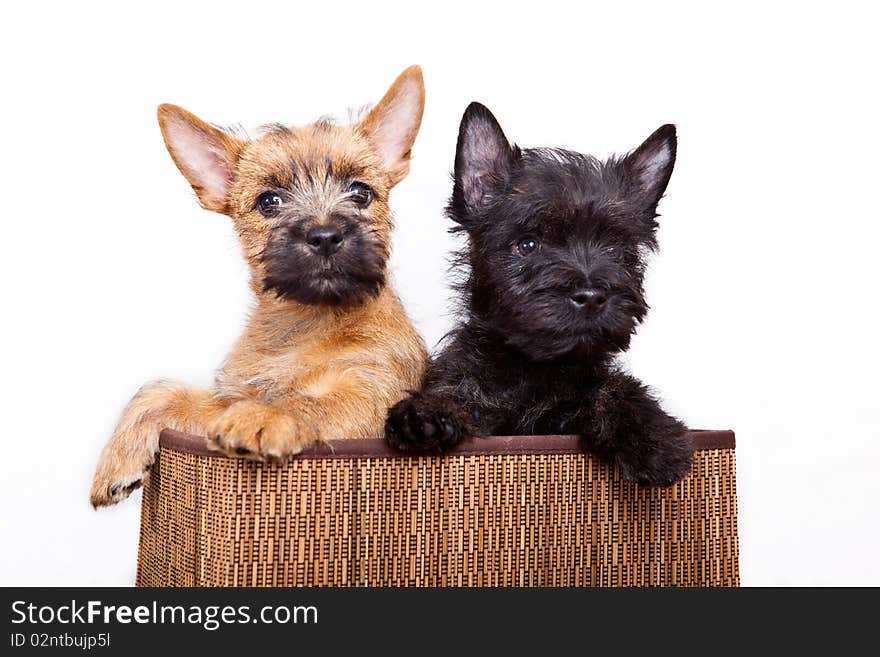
256, 430
627, 425
345, 403
131, 450
432, 420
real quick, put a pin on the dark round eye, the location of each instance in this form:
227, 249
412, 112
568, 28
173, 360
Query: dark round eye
268, 202
526, 246
361, 194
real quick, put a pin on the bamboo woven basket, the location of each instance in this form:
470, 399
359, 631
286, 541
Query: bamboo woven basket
501, 511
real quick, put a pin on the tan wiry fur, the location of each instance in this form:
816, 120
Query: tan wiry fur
298, 373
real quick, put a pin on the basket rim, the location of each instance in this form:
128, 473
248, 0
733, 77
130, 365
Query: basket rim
377, 447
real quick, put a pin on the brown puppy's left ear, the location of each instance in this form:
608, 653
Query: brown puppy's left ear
392, 125
205, 155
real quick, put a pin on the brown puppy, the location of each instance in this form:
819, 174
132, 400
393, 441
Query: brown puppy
328, 347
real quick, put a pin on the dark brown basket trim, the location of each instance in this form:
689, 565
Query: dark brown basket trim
377, 448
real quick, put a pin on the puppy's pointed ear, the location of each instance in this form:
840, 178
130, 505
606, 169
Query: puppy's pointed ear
483, 158
650, 165
392, 125
205, 155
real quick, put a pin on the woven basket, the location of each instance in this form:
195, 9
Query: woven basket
501, 511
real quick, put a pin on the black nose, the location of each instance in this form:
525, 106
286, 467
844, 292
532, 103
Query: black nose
588, 299
324, 240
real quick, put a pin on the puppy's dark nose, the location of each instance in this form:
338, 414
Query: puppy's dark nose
588, 299
324, 240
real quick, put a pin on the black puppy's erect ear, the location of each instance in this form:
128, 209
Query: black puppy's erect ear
483, 158
651, 164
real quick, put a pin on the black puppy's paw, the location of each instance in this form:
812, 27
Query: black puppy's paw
426, 424
659, 462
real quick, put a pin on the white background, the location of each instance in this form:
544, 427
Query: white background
765, 293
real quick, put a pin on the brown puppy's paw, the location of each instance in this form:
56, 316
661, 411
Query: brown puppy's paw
116, 479
257, 431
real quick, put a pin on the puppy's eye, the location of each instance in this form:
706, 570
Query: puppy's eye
361, 194
526, 246
268, 202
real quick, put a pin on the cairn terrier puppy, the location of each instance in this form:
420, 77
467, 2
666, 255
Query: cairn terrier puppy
328, 347
551, 291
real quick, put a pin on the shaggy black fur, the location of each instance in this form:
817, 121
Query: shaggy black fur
552, 290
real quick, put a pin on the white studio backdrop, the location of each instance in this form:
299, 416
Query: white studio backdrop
764, 296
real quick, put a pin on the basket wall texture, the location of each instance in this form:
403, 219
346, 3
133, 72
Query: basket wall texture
500, 511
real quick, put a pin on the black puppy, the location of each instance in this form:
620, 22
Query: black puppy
551, 290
